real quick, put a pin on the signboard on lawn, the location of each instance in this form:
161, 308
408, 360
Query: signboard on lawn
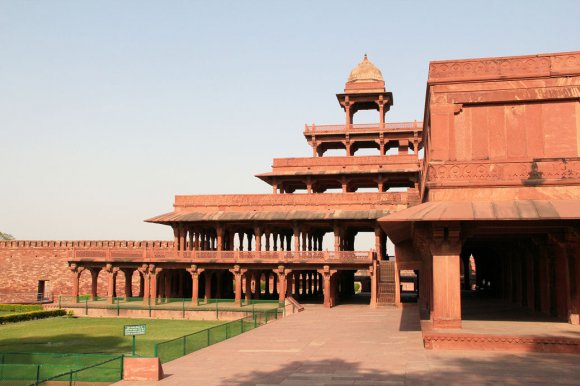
135, 329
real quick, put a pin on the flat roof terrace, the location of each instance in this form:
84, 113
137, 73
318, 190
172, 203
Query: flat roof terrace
341, 165
286, 207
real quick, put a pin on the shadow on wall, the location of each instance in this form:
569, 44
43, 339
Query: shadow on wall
451, 369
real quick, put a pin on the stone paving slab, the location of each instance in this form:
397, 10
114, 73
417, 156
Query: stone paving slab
356, 345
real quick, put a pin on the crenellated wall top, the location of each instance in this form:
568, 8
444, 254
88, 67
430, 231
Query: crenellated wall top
67, 244
543, 65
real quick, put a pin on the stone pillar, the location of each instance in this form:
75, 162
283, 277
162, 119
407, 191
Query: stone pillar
374, 284
238, 273
111, 281
378, 249
190, 245
344, 184
181, 237
75, 276
282, 275
141, 285
94, 282
258, 236
220, 238
267, 282
336, 239
289, 283
153, 276
175, 236
329, 294
257, 284
564, 251
303, 241
194, 271
207, 275
445, 248
267, 234
296, 238
145, 290
248, 291
128, 273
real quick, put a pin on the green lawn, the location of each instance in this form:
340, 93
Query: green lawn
92, 335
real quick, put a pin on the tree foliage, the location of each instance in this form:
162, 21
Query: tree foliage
6, 236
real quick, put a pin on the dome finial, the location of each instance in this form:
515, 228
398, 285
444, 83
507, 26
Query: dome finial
365, 71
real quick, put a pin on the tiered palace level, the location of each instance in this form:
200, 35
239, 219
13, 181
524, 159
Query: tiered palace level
278, 237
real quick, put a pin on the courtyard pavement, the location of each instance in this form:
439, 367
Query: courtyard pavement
356, 345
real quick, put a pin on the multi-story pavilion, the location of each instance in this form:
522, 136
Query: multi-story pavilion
228, 245
498, 188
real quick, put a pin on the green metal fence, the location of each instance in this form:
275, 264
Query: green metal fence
178, 347
38, 368
183, 306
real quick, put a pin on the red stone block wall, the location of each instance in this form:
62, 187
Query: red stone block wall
24, 263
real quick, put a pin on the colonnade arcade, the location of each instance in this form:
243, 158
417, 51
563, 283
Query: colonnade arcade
534, 268
274, 237
158, 282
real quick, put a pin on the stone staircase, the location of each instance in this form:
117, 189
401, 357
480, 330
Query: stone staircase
386, 283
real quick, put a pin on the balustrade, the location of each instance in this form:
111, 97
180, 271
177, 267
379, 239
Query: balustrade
151, 255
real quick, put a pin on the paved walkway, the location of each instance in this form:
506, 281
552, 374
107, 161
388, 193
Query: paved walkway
356, 345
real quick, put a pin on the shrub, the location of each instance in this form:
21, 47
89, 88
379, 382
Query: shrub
20, 307
32, 315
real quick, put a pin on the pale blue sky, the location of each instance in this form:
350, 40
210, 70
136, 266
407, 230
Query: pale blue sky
109, 108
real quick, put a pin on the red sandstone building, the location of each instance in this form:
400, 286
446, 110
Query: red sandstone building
499, 181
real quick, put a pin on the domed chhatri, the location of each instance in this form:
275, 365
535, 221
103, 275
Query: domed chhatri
364, 78
365, 71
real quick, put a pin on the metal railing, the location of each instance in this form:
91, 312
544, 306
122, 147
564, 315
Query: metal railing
39, 368
181, 307
178, 347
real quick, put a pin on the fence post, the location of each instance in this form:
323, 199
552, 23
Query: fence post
217, 316
207, 337
37, 374
118, 304
242, 325
184, 338
86, 306
227, 330
122, 363
266, 314
70, 378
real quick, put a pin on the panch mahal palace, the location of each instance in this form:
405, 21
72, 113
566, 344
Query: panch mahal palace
483, 193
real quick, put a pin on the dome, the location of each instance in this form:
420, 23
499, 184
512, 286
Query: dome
365, 72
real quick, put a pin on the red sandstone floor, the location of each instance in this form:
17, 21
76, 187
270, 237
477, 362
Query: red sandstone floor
356, 345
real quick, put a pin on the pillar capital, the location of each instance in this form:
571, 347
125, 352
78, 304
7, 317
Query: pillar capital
76, 268
446, 240
326, 271
194, 270
237, 270
154, 270
111, 269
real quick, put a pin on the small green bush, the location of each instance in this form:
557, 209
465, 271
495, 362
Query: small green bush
32, 315
20, 307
